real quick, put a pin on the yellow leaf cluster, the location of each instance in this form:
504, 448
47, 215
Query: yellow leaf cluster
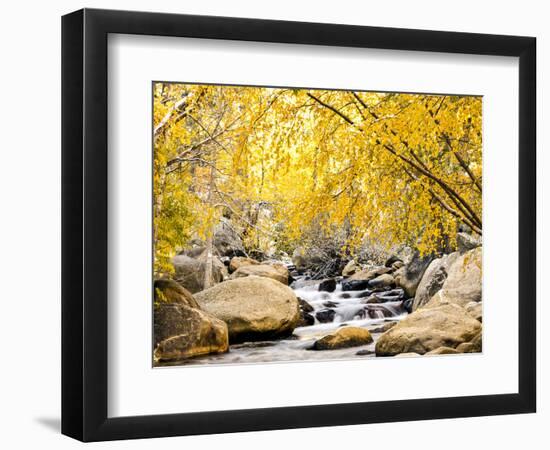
394, 168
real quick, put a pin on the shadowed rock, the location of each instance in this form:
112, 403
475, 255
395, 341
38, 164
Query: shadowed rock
325, 315
170, 291
182, 332
355, 285
409, 276
328, 285
433, 279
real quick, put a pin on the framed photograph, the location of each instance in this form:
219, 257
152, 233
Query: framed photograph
273, 224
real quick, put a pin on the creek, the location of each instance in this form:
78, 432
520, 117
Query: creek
331, 310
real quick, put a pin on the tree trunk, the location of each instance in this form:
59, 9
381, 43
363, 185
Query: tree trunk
208, 265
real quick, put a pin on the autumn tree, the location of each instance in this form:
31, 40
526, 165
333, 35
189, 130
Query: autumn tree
397, 168
422, 154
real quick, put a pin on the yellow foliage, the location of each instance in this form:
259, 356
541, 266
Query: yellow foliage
398, 168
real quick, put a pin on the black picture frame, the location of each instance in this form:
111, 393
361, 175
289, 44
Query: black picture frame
84, 224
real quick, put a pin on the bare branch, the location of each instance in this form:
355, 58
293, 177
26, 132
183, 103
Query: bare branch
196, 146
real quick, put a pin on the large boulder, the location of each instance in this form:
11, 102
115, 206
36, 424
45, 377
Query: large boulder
227, 240
433, 279
343, 338
463, 283
409, 276
253, 307
239, 261
274, 271
428, 329
189, 272
182, 332
169, 291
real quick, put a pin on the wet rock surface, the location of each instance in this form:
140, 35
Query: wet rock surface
365, 314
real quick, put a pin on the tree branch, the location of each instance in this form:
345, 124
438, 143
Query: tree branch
455, 196
364, 105
457, 199
196, 146
463, 163
332, 108
445, 205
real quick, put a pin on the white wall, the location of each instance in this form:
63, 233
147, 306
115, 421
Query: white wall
30, 198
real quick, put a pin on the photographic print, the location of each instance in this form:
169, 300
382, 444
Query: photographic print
299, 224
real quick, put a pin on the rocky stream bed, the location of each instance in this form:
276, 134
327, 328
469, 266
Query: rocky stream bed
261, 312
328, 312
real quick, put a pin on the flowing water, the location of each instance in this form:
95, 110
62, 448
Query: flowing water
335, 309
